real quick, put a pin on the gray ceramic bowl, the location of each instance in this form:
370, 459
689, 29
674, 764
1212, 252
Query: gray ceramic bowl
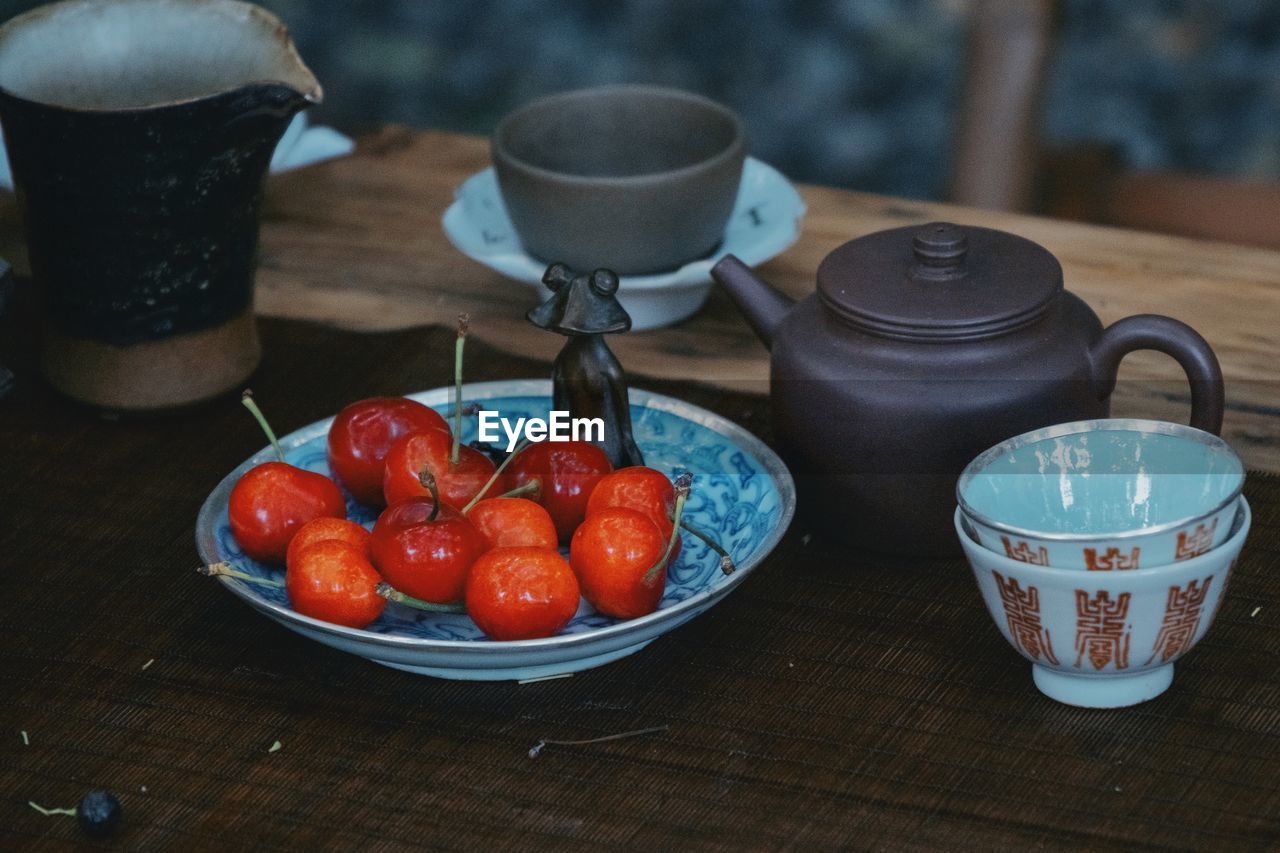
638, 179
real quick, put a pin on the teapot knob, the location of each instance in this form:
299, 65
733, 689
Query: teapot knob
940, 250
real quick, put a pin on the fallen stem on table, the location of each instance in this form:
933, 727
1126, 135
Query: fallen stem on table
536, 749
48, 812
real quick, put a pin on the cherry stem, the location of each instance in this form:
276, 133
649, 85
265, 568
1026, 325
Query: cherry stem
683, 482
428, 481
497, 472
247, 400
48, 812
726, 562
226, 570
537, 747
529, 488
464, 321
385, 590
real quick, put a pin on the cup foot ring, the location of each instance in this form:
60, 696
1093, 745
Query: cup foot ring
1102, 691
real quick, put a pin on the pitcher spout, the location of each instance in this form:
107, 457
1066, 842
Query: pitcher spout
288, 84
763, 306
268, 99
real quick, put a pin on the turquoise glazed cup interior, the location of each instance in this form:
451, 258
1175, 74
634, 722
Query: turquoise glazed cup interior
1110, 494
1104, 639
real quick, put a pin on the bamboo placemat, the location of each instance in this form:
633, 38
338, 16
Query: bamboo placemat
834, 700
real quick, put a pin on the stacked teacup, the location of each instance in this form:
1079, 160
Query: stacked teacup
1103, 550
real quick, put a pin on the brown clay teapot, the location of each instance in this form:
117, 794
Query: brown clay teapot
922, 347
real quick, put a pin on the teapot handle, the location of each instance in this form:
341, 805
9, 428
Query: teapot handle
1171, 337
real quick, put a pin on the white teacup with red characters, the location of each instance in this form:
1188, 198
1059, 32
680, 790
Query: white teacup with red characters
1105, 639
1103, 495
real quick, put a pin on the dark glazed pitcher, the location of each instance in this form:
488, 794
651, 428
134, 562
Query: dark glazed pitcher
921, 348
139, 133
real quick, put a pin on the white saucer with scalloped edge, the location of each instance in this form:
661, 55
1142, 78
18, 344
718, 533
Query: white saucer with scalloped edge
764, 223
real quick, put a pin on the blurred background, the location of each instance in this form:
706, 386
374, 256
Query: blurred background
1152, 113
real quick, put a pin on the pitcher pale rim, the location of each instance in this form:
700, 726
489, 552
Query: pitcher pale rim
305, 86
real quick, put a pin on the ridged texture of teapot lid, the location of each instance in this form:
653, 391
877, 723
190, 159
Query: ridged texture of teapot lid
939, 282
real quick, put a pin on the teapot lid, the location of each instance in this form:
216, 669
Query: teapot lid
939, 282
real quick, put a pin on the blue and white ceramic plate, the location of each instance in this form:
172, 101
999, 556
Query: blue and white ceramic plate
765, 222
742, 493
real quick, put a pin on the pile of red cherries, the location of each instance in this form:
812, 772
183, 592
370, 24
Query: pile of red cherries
459, 532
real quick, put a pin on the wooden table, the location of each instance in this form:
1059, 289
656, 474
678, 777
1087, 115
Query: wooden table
357, 243
834, 700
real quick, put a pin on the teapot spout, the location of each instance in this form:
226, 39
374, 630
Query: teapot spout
763, 306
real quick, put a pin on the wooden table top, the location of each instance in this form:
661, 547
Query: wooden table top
357, 243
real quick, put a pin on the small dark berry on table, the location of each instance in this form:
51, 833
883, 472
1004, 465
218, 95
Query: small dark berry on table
98, 813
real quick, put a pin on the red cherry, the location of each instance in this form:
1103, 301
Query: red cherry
566, 472
334, 581
424, 552
521, 593
270, 502
513, 522
643, 489
363, 432
640, 488
324, 529
459, 481
613, 554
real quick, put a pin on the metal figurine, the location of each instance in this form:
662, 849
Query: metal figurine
587, 379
